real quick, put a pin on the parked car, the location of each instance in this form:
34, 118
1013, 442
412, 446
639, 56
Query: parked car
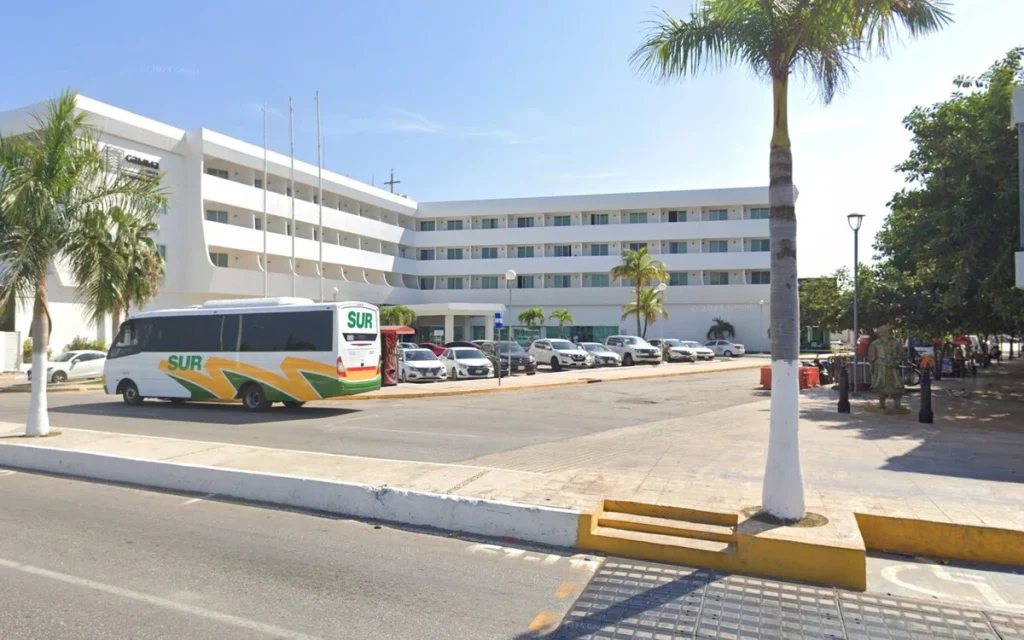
512, 355
672, 350
461, 343
559, 353
466, 362
420, 365
408, 345
725, 348
699, 350
74, 365
436, 348
633, 350
603, 357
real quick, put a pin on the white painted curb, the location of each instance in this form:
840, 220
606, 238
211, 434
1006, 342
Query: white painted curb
544, 525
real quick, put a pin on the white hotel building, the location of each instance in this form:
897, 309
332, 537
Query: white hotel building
445, 259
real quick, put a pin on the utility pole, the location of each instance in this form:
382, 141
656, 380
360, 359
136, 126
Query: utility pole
392, 182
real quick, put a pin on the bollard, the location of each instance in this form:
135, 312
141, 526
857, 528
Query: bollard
925, 416
844, 390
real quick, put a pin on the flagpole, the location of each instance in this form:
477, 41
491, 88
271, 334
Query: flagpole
320, 198
291, 138
266, 267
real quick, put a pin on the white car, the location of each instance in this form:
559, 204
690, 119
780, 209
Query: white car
725, 348
560, 353
465, 362
699, 351
672, 350
420, 365
74, 365
603, 357
633, 350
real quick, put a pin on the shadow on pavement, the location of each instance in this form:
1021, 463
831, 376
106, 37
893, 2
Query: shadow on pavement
214, 413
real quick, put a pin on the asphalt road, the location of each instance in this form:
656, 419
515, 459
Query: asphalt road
83, 560
441, 429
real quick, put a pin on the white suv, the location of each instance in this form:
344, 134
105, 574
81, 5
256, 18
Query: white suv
560, 353
633, 350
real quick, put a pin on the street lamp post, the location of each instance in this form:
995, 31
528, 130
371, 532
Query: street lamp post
510, 275
855, 220
760, 316
662, 287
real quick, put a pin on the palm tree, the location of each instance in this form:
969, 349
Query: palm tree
563, 317
648, 306
533, 317
53, 182
397, 314
721, 330
640, 267
821, 39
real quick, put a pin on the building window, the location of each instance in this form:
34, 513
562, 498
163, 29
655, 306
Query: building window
426, 254
599, 280
489, 253
761, 244
426, 283
760, 277
678, 279
454, 254
718, 277
599, 218
523, 223
489, 223
316, 198
258, 183
598, 249
454, 225
489, 282
288, 191
219, 259
629, 282
636, 246
217, 216
428, 225
257, 223
716, 215
524, 282
638, 217
563, 221
563, 250
677, 216
562, 281
454, 283
161, 250
677, 247
718, 246
524, 252
220, 173
761, 213
288, 228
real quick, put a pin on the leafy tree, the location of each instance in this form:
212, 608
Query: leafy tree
721, 330
821, 39
533, 317
951, 231
52, 179
642, 269
648, 307
562, 316
397, 315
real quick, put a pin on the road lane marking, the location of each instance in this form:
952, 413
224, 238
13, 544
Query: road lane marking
244, 623
7, 472
419, 433
579, 561
544, 621
199, 499
566, 589
989, 594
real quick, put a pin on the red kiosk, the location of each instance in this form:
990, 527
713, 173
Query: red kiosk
389, 352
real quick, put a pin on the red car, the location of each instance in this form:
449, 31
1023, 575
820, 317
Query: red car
468, 345
436, 348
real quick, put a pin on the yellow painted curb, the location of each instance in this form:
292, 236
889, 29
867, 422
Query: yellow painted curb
54, 389
942, 539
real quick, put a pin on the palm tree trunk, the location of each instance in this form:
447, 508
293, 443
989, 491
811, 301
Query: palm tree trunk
638, 332
783, 490
115, 323
37, 423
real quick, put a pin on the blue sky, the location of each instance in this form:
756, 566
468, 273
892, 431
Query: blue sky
469, 99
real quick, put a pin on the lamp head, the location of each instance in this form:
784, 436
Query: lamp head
855, 220
510, 274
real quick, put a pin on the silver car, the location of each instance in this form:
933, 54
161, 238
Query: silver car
603, 357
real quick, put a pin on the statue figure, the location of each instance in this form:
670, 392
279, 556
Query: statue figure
884, 356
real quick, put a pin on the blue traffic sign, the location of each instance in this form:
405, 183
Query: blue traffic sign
498, 322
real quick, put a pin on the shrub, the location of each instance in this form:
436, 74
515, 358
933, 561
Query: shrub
85, 344
26, 351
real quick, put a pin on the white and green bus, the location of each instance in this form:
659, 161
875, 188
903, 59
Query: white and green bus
259, 351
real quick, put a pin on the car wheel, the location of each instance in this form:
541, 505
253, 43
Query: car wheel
130, 393
59, 376
554, 364
293, 404
253, 398
727, 354
531, 373
627, 360
455, 374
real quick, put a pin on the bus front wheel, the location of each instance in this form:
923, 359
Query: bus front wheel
130, 393
253, 398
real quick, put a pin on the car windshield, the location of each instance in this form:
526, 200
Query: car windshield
692, 345
562, 344
635, 342
514, 348
593, 347
64, 357
672, 342
420, 355
467, 354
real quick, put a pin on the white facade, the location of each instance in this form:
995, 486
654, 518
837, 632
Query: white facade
384, 248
